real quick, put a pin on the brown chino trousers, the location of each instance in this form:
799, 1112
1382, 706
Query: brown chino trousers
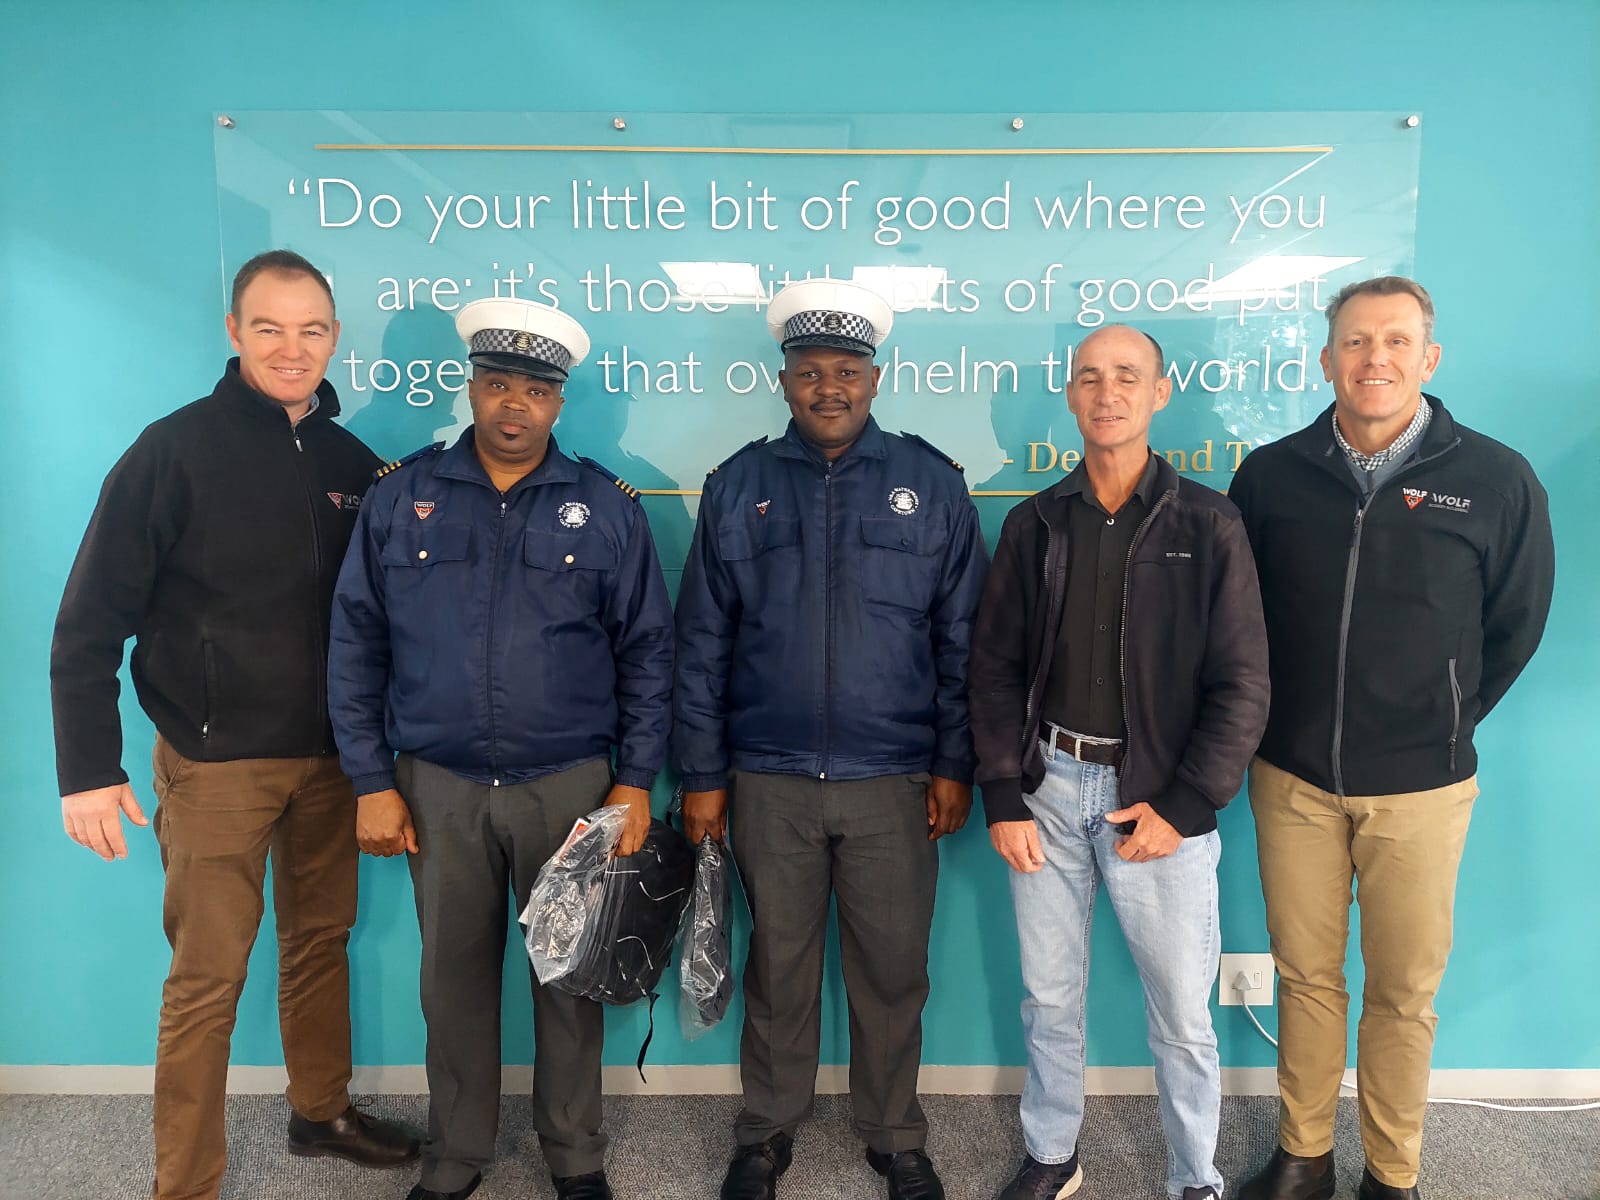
1403, 851
216, 824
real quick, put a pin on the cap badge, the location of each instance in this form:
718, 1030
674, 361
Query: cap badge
523, 342
903, 501
423, 509
574, 514
833, 322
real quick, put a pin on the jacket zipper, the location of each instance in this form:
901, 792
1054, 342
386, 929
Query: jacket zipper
1122, 649
827, 617
209, 664
1351, 564
316, 579
488, 646
1051, 618
1455, 712
1352, 560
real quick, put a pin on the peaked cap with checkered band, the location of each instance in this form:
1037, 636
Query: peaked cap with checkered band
522, 336
830, 312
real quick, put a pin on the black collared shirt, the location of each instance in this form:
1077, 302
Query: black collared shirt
1084, 690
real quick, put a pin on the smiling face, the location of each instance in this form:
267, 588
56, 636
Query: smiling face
829, 394
284, 333
512, 416
1116, 387
1378, 357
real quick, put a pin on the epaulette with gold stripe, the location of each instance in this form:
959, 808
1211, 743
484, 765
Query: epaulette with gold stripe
760, 441
622, 485
391, 467
932, 449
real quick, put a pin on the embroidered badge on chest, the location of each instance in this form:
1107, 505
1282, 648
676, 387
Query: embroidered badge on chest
762, 506
903, 501
574, 514
423, 508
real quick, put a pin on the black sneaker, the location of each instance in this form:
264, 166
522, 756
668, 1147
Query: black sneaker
1200, 1193
1044, 1181
591, 1186
753, 1173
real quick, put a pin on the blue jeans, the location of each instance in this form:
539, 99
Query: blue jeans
1168, 912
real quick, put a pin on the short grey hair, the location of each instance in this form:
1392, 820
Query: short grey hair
1384, 285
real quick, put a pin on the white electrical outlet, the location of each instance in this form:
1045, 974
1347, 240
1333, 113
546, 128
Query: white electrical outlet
1257, 970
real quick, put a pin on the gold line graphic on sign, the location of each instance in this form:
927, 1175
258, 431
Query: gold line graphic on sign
696, 492
779, 151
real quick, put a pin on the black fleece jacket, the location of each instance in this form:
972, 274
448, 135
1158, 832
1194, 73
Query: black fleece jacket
215, 543
1398, 623
1194, 654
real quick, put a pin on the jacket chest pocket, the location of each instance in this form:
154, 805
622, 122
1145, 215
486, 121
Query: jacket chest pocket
414, 553
900, 560
569, 568
763, 556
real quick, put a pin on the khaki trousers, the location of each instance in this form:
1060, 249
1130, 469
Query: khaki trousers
216, 824
1403, 852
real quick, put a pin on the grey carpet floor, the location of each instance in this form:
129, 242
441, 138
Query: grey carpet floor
675, 1147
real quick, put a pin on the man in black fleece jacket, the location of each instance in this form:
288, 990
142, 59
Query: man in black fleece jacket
215, 544
1406, 570
1118, 689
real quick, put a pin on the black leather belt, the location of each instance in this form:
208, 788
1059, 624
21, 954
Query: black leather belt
1106, 754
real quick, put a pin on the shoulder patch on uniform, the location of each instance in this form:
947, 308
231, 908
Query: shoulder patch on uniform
622, 485
932, 449
410, 458
760, 441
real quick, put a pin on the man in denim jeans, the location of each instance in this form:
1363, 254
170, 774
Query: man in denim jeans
1110, 592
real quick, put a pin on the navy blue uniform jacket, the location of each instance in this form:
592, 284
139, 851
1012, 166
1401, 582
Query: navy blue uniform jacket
825, 615
502, 637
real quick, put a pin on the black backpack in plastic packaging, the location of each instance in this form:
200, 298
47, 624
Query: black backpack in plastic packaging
603, 927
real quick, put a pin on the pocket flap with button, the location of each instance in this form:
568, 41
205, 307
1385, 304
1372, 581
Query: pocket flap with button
740, 538
552, 551
900, 533
423, 545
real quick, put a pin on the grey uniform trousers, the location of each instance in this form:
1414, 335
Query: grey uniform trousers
474, 840
795, 840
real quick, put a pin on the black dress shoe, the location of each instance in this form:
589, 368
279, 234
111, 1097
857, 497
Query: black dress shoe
1290, 1177
421, 1193
1371, 1189
353, 1134
592, 1186
910, 1174
753, 1173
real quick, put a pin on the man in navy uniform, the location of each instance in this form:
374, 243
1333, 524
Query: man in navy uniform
502, 626
821, 714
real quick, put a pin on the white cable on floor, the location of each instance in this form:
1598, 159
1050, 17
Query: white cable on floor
1346, 1082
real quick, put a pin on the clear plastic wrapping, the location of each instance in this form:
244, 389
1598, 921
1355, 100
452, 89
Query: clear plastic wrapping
705, 969
603, 927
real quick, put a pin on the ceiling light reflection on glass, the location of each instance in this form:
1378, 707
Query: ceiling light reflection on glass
712, 283
1277, 277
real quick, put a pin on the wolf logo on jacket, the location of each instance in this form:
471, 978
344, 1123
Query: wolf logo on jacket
1406, 568
821, 715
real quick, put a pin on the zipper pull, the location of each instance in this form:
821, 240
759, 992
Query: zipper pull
297, 444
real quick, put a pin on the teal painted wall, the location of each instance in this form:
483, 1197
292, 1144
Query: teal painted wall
110, 315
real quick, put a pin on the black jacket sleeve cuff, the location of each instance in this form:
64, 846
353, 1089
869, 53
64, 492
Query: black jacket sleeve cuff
1002, 801
1186, 809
